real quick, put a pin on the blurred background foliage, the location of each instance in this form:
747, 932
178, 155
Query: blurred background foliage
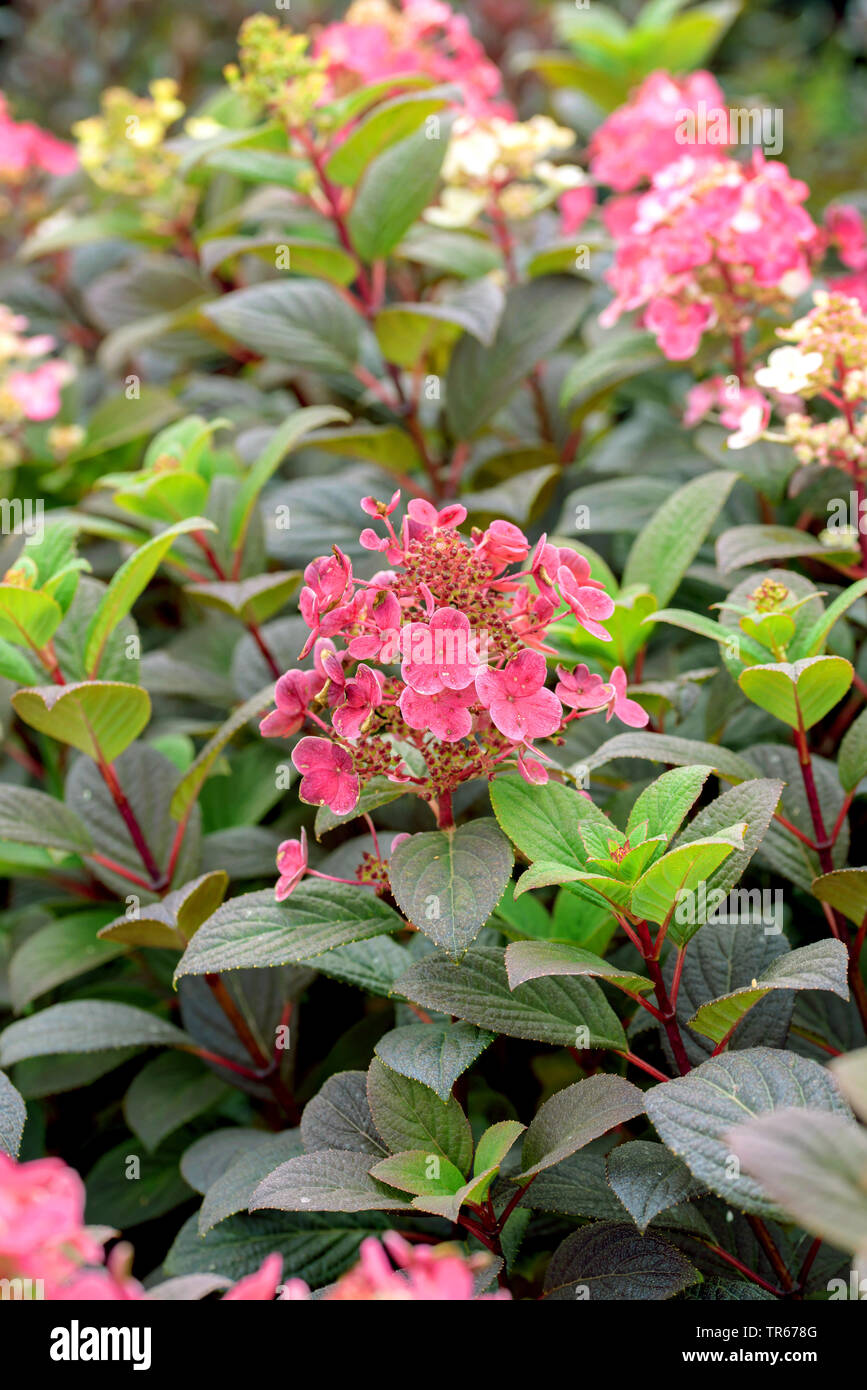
805, 56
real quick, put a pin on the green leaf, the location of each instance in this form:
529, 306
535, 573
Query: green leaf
252, 600
821, 965
752, 545
448, 882
706, 627
100, 718
121, 419
612, 1261
695, 1114
57, 233
13, 1114
305, 322
649, 1179
608, 365
330, 1180
90, 1025
407, 333
575, 1116
813, 1167
388, 122
668, 748
532, 960
812, 641
232, 1190
61, 951
754, 803
543, 821
667, 546
168, 1092
435, 1054
780, 850
409, 1115
116, 1201
255, 931
665, 803
33, 818
495, 1144
15, 666
129, 582
197, 773
538, 317
846, 890
477, 990
28, 617
409, 1172
338, 1117
396, 188
680, 871
387, 445
284, 439
852, 760
315, 1248
147, 777
171, 922
800, 693
305, 256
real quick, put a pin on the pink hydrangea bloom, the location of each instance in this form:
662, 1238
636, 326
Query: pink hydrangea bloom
589, 603
503, 544
41, 1220
446, 713
521, 706
424, 1274
846, 231
439, 655
375, 43
629, 711
581, 689
292, 693
731, 400
361, 695
575, 205
25, 147
853, 286
37, 392
327, 778
469, 630
641, 137
292, 865
709, 245
261, 1286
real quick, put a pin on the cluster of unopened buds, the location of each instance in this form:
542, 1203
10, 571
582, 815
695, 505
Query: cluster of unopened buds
826, 363
442, 678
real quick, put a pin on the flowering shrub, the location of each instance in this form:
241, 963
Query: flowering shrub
432, 676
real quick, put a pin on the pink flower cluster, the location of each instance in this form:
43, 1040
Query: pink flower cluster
376, 41
424, 1274
641, 137
846, 232
710, 243
443, 665
24, 147
34, 392
43, 1238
